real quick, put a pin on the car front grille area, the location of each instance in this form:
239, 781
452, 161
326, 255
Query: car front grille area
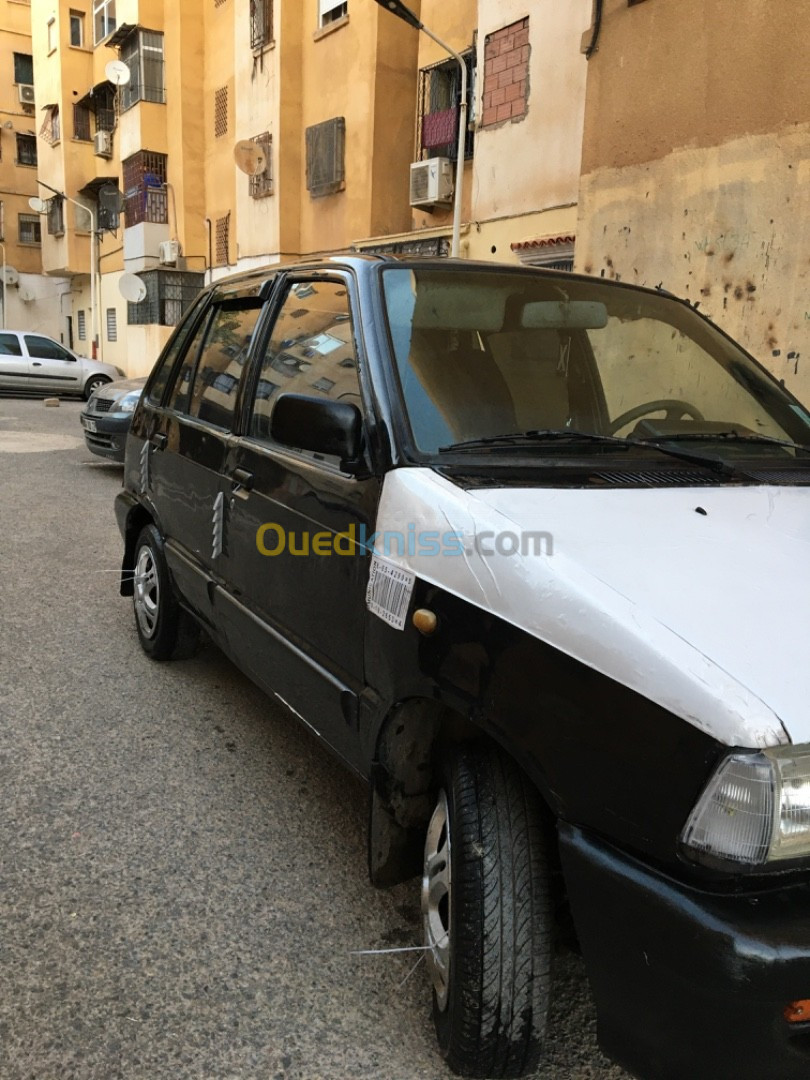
100, 440
102, 405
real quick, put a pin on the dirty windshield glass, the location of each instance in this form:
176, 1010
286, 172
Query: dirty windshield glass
486, 354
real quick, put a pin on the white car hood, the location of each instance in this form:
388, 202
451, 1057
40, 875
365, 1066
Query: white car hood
705, 614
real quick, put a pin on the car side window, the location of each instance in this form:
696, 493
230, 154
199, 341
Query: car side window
45, 349
179, 393
10, 345
221, 359
310, 351
162, 373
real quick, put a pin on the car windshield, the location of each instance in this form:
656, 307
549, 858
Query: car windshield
484, 355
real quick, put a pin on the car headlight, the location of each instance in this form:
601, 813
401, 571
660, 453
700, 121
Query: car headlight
128, 402
755, 809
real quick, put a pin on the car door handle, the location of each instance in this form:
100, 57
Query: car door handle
159, 441
36, 363
242, 479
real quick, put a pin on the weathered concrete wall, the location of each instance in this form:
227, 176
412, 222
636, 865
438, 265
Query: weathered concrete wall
723, 226
696, 162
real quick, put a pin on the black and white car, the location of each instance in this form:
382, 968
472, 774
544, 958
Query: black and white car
529, 552
36, 364
106, 418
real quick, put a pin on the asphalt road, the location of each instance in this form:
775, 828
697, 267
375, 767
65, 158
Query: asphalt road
182, 867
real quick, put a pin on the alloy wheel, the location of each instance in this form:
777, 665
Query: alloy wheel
436, 884
147, 592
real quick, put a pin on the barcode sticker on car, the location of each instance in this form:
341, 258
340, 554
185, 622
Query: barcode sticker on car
389, 592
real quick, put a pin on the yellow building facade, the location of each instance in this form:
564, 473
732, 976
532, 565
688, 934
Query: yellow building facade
206, 137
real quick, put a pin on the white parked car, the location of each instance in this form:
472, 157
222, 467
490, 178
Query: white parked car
34, 363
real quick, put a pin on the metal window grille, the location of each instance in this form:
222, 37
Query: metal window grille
81, 326
104, 107
145, 193
262, 184
23, 68
51, 130
438, 109
221, 112
169, 294
326, 149
30, 229
26, 149
261, 23
112, 324
219, 3
56, 216
223, 228
81, 123
142, 52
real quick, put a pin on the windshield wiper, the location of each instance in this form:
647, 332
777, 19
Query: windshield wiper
725, 436
574, 438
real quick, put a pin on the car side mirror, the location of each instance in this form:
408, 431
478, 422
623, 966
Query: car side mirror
322, 427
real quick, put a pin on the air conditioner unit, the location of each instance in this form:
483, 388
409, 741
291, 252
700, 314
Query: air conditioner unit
169, 252
102, 144
432, 182
27, 95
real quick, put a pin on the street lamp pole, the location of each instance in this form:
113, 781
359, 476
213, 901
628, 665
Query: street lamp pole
94, 329
5, 294
402, 12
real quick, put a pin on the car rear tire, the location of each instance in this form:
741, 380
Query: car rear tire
92, 384
487, 916
165, 630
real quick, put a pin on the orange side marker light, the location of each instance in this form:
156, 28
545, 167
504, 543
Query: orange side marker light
798, 1012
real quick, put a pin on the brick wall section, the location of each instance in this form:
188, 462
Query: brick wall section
506, 74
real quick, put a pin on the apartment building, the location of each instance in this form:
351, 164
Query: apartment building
696, 162
28, 301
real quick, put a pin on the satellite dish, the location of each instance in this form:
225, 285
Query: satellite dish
10, 276
117, 73
38, 205
132, 288
249, 157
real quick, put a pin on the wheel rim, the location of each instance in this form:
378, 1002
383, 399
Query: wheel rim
436, 899
147, 592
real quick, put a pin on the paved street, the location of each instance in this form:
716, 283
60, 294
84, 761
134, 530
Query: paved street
182, 868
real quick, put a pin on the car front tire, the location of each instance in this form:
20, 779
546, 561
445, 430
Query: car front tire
166, 632
487, 916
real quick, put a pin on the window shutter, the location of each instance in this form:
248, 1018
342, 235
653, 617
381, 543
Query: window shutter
326, 144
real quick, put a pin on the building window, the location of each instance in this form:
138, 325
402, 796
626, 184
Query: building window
223, 229
439, 109
103, 19
112, 324
56, 216
262, 183
169, 294
221, 112
506, 74
104, 107
23, 69
142, 52
330, 11
52, 37
261, 23
326, 146
81, 325
26, 149
51, 130
81, 123
30, 229
77, 29
145, 196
